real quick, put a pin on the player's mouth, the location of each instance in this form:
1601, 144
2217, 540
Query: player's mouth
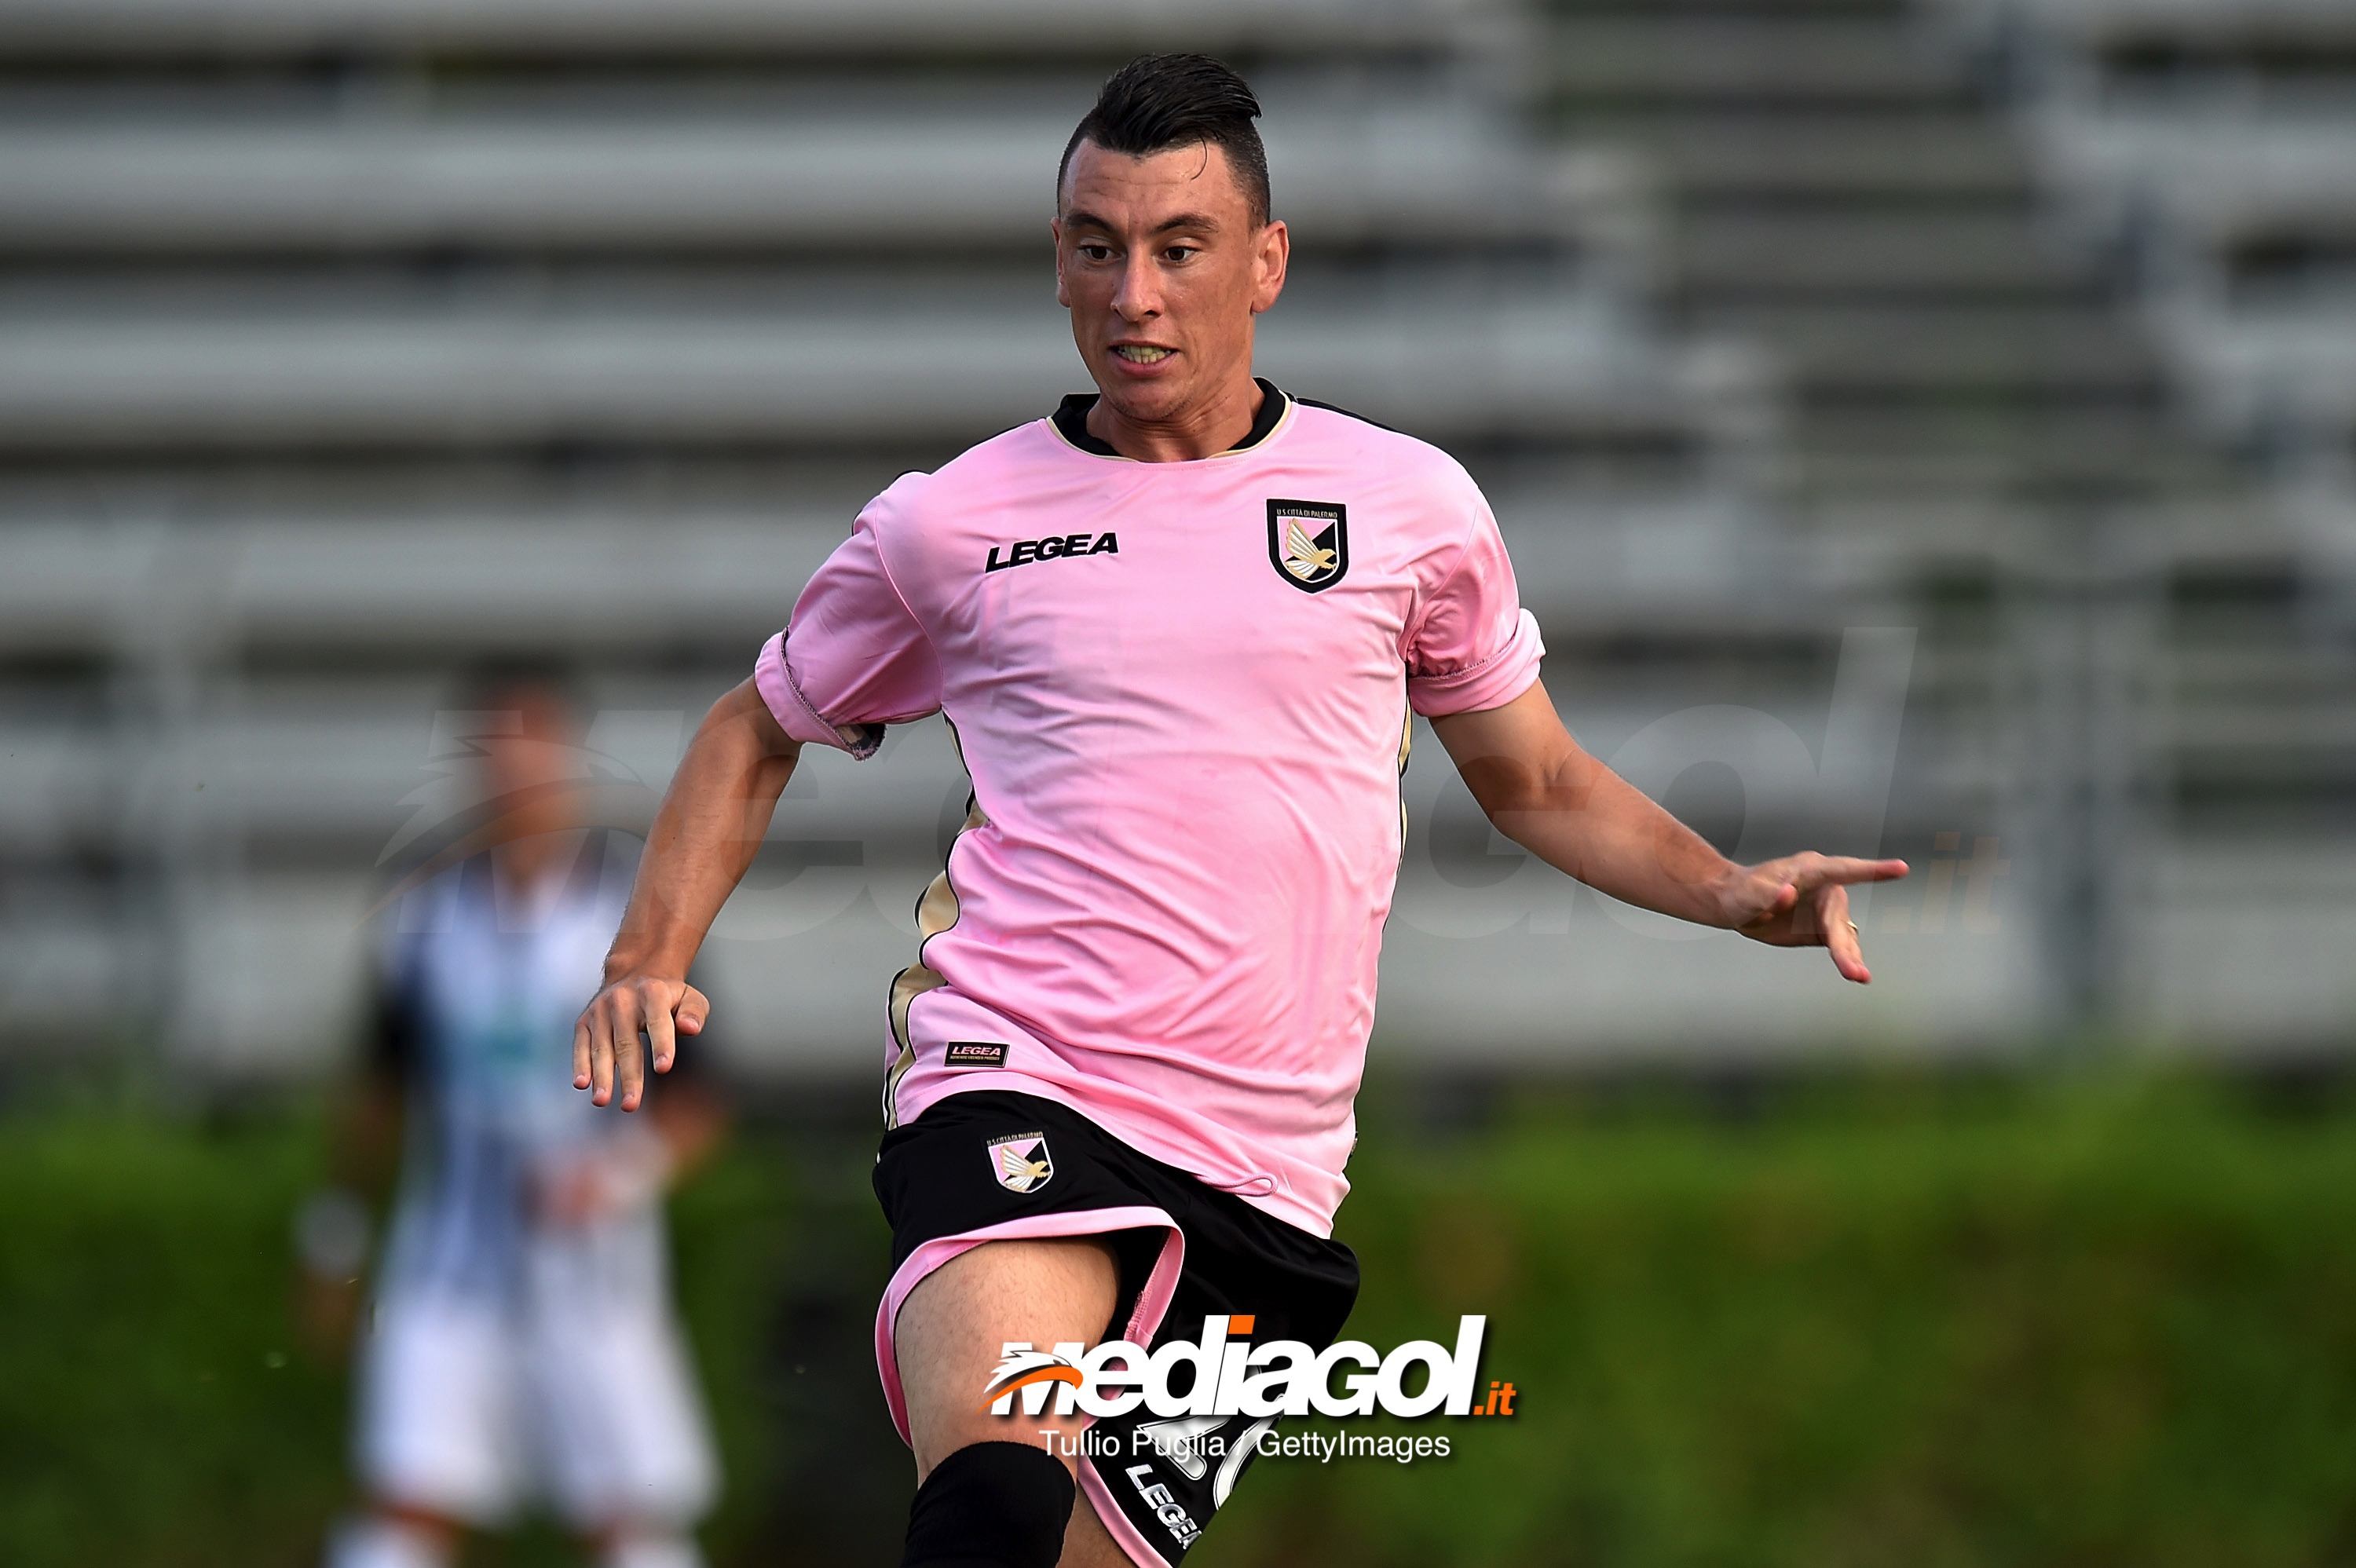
1142, 353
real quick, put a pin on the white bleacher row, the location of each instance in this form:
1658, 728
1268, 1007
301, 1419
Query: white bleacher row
132, 28
289, 765
2094, 22
2284, 373
323, 773
2211, 173
1534, 363
271, 977
620, 581
895, 184
582, 578
271, 974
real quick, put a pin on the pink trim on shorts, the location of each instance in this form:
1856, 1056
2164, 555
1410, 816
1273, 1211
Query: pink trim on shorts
1151, 1302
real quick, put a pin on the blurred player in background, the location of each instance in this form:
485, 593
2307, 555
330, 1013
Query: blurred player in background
528, 1243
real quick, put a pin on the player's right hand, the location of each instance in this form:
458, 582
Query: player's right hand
605, 1039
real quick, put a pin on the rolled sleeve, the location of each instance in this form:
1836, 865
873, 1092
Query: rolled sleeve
1472, 646
853, 657
1491, 682
794, 713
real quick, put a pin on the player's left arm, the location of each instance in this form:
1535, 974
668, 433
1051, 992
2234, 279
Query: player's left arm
1545, 793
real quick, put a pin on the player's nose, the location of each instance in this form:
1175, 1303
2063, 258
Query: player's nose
1140, 295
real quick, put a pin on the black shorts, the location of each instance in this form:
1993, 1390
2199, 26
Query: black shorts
969, 1171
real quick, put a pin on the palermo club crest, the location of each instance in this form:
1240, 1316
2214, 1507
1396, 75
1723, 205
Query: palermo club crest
1022, 1163
1309, 542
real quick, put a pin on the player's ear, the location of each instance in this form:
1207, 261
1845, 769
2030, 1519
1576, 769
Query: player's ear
1274, 252
1063, 289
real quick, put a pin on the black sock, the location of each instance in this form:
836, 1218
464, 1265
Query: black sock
992, 1505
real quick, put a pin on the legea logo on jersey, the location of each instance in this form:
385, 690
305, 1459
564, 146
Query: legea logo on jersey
1228, 1375
1023, 552
1309, 542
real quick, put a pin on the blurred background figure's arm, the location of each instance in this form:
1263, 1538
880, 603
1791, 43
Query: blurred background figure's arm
691, 1121
334, 1227
640, 1160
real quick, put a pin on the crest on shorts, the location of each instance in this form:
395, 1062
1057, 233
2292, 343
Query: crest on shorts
1309, 542
1020, 1161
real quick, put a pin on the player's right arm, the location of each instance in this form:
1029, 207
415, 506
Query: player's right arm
860, 662
704, 836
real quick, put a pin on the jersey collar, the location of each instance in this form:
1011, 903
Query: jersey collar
1071, 422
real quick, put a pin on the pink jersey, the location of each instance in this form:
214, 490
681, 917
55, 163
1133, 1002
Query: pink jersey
1183, 692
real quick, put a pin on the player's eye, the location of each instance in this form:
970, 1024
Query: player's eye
1179, 253
1095, 252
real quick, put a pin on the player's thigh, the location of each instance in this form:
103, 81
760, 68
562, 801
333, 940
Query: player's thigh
953, 1329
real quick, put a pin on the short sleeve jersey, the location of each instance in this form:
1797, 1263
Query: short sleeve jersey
1183, 691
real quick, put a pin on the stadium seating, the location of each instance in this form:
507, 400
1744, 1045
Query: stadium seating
778, 180
249, 29
843, 370
2210, 146
2219, 142
341, 343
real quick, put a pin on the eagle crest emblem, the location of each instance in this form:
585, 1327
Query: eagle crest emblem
1309, 542
1020, 1161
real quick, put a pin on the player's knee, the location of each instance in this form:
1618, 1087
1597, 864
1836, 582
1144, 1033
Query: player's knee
990, 1505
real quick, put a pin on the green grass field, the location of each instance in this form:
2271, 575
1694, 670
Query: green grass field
2070, 1323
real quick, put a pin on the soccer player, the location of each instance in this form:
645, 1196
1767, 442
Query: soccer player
528, 1238
1181, 628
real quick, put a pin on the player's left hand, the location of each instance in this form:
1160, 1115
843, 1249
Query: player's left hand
1802, 900
624, 1172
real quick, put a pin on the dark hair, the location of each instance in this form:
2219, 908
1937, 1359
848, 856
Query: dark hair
1159, 101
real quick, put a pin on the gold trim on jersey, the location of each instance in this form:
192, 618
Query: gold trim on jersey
937, 911
1407, 743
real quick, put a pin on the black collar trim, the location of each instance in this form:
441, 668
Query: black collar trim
1071, 421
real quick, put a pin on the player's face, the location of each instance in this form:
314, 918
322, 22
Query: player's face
1163, 269
523, 764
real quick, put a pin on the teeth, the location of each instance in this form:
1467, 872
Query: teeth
1137, 355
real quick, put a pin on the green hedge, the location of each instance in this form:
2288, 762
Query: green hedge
156, 1410
2091, 1326
2082, 1324
150, 1412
